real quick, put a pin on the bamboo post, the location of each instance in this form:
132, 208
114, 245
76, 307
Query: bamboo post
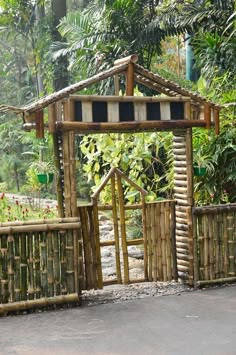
158, 239
145, 238
191, 247
211, 247
123, 230
30, 257
173, 241
168, 240
39, 124
17, 267
70, 277
93, 262
207, 115
116, 230
231, 243
37, 265
154, 241
163, 242
63, 264
23, 267
56, 262
216, 115
116, 84
88, 262
43, 265
97, 243
50, 263
225, 242
149, 241
206, 247
130, 80
10, 268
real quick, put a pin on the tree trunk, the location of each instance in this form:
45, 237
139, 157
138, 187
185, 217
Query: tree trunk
40, 14
60, 66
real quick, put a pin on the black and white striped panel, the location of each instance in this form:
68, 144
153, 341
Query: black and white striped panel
127, 111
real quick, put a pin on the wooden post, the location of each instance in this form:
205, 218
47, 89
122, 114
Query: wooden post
116, 84
130, 80
207, 115
216, 114
39, 124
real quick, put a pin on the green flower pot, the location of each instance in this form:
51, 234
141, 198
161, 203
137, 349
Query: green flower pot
45, 178
199, 170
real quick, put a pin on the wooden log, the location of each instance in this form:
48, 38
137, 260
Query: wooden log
42, 302
87, 127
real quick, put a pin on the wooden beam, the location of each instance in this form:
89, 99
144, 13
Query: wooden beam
85, 127
216, 114
207, 115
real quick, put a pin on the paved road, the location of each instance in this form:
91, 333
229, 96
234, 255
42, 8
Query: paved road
202, 322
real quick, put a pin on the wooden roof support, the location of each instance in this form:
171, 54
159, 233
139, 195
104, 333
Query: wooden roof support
87, 127
39, 124
130, 80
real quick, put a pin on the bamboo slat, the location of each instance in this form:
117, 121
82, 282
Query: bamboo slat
116, 230
123, 230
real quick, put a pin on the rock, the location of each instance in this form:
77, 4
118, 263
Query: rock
135, 252
135, 264
105, 253
109, 271
103, 217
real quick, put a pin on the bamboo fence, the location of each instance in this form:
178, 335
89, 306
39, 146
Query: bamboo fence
214, 232
38, 263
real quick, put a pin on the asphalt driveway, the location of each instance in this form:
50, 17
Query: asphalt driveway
201, 322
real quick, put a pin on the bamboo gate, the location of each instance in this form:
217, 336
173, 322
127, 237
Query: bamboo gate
69, 114
158, 240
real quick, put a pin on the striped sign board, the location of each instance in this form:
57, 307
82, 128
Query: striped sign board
117, 109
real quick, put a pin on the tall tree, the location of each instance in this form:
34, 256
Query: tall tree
60, 79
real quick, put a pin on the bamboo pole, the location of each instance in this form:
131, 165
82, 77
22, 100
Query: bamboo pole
56, 262
62, 236
163, 242
158, 239
23, 267
145, 237
30, 257
225, 242
231, 243
42, 302
130, 80
216, 115
173, 241
89, 210
123, 230
207, 115
50, 264
39, 124
116, 230
97, 243
153, 218
120, 127
37, 265
135, 99
70, 277
17, 267
43, 265
39, 228
10, 268
149, 241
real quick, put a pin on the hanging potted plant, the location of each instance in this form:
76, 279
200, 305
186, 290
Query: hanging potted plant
201, 163
45, 171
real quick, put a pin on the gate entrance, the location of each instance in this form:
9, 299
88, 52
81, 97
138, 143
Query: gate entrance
155, 244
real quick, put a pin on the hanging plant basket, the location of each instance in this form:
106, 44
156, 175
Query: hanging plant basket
45, 178
199, 170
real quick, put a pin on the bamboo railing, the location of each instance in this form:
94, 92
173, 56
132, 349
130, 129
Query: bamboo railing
214, 232
38, 263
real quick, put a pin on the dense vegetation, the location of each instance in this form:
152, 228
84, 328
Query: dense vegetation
46, 44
